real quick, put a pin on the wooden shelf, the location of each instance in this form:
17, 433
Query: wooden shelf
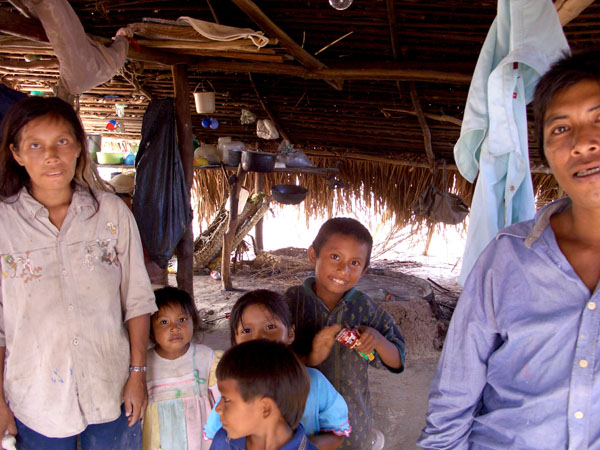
309, 170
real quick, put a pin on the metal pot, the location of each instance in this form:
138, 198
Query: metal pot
289, 194
254, 161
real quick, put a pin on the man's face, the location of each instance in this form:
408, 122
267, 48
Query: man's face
572, 141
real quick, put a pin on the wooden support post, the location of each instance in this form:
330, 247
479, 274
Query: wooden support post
258, 229
183, 119
429, 236
235, 183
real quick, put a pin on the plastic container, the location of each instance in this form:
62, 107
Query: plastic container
231, 152
94, 143
112, 158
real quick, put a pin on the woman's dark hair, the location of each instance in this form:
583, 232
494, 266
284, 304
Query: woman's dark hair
272, 301
13, 176
564, 73
169, 296
347, 227
264, 368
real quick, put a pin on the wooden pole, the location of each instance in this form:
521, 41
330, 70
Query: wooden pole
258, 229
183, 119
235, 183
270, 113
271, 29
429, 236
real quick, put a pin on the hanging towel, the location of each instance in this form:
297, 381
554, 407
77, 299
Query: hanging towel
218, 32
523, 41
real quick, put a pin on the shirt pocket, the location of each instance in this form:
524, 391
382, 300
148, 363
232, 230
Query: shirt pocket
100, 253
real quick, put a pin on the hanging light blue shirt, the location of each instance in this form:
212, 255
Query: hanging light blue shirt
520, 366
524, 39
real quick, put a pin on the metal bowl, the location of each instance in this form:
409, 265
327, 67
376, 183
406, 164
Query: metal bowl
289, 194
253, 161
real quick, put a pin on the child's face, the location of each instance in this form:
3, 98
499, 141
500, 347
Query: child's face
173, 330
258, 323
237, 417
48, 150
572, 141
338, 266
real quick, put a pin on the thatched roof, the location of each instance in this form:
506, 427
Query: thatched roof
401, 70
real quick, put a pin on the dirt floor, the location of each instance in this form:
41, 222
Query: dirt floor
400, 401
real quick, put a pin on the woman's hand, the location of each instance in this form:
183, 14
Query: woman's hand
7, 420
135, 397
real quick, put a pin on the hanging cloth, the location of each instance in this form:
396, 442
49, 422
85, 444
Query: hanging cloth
440, 205
523, 41
161, 201
84, 63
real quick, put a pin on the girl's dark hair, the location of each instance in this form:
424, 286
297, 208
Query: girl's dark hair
272, 301
13, 177
347, 227
169, 296
564, 73
264, 368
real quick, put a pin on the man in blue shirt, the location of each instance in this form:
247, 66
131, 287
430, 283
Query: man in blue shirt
520, 365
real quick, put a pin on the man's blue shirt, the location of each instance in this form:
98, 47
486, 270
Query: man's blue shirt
520, 364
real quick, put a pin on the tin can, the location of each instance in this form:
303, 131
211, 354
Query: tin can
349, 337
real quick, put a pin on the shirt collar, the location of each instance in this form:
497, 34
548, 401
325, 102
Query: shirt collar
541, 221
82, 202
308, 288
292, 444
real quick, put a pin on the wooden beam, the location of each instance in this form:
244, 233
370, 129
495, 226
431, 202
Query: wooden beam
270, 113
271, 29
438, 117
391, 13
183, 119
570, 9
19, 6
401, 71
17, 25
414, 96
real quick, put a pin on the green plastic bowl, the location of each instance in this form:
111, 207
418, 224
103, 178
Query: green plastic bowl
109, 158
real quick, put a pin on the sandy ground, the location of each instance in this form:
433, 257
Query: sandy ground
400, 401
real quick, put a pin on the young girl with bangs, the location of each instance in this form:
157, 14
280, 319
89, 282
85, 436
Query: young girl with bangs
264, 314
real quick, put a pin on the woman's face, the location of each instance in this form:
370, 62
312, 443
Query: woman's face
48, 150
258, 323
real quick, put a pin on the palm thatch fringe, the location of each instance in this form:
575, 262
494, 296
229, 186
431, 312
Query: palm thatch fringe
361, 186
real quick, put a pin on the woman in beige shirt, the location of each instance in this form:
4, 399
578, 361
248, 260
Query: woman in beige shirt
75, 297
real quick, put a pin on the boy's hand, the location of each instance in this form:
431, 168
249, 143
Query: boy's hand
135, 397
369, 340
322, 344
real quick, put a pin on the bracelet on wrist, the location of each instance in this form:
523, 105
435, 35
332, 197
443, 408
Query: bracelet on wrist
137, 368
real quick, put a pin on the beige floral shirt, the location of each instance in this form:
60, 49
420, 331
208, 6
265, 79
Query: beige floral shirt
65, 296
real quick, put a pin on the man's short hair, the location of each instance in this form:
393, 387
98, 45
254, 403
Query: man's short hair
264, 368
347, 227
564, 73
